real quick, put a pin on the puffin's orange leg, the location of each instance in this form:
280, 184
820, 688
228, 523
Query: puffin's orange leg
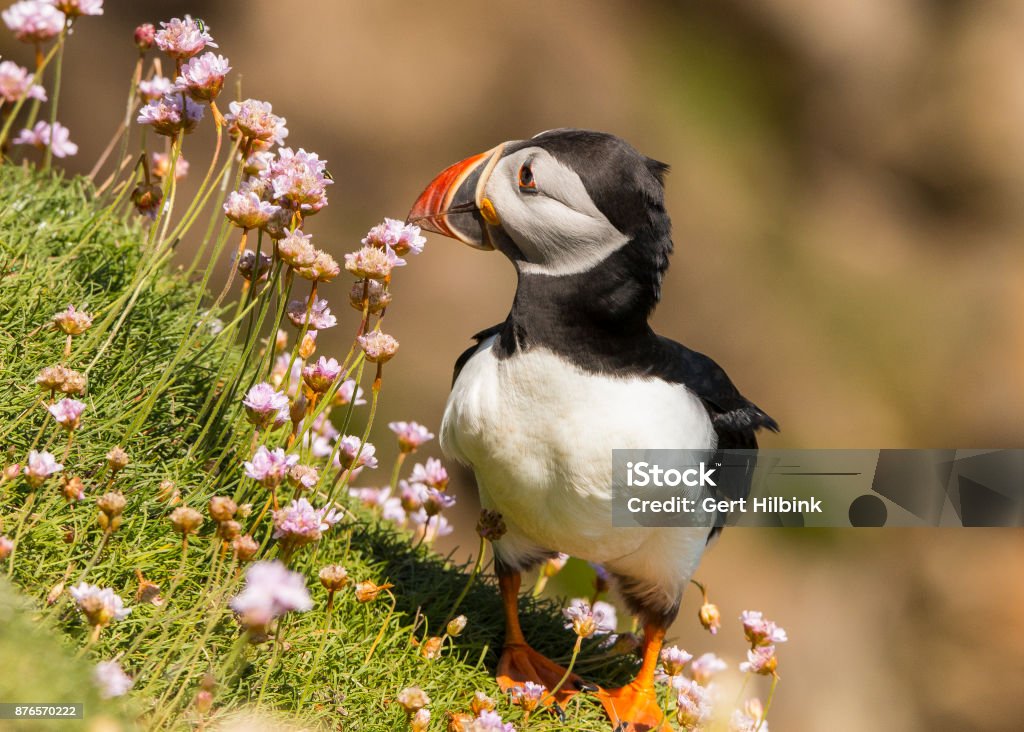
519, 662
634, 707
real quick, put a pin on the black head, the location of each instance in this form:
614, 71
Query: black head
565, 202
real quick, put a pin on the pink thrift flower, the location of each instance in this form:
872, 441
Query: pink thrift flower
412, 495
72, 321
33, 21
759, 631
264, 405
16, 82
706, 666
749, 719
152, 89
41, 136
391, 510
490, 721
673, 659
6, 547
298, 178
693, 704
247, 211
579, 617
370, 497
432, 474
296, 248
100, 606
435, 501
411, 435
202, 77
169, 115
378, 347
68, 413
144, 36
320, 316
528, 696
182, 39
346, 391
373, 263
299, 523
427, 528
111, 679
269, 467
271, 590
256, 120
322, 374
393, 234
39, 467
161, 166
352, 446
75, 8
760, 660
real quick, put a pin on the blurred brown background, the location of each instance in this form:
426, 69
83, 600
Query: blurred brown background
846, 191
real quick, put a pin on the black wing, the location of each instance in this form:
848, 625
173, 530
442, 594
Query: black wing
468, 353
734, 417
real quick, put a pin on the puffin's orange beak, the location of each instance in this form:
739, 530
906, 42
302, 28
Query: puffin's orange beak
454, 203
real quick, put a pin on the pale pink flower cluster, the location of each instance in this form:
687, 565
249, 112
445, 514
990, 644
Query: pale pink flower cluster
171, 114
269, 467
298, 177
693, 704
378, 347
299, 523
154, 88
40, 466
33, 21
264, 405
760, 631
320, 316
256, 120
395, 235
319, 376
202, 77
271, 590
16, 82
183, 38
75, 8
100, 605
411, 435
42, 136
111, 679
68, 413
247, 211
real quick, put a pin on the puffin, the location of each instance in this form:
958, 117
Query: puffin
541, 400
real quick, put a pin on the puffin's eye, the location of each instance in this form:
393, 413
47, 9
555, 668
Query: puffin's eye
526, 181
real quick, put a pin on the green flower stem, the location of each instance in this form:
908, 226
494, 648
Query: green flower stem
383, 628
308, 686
568, 671
477, 566
122, 128
768, 703
48, 156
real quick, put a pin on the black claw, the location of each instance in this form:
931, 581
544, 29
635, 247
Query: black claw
587, 686
559, 711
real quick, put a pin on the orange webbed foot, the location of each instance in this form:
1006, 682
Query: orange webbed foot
520, 663
633, 708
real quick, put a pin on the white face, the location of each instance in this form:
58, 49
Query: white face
545, 209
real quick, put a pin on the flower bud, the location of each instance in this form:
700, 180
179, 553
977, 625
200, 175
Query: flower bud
6, 547
377, 295
12, 471
482, 703
112, 504
145, 36
222, 508
460, 721
245, 548
147, 198
186, 520
432, 648
420, 721
204, 701
51, 378
168, 493
491, 525
412, 699
308, 346
710, 618
73, 489
74, 383
456, 625
229, 530
367, 591
378, 347
333, 577
297, 410
117, 459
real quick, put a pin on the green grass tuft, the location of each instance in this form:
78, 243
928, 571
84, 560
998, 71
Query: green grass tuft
58, 248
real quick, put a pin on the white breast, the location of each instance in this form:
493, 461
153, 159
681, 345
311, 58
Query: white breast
539, 436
